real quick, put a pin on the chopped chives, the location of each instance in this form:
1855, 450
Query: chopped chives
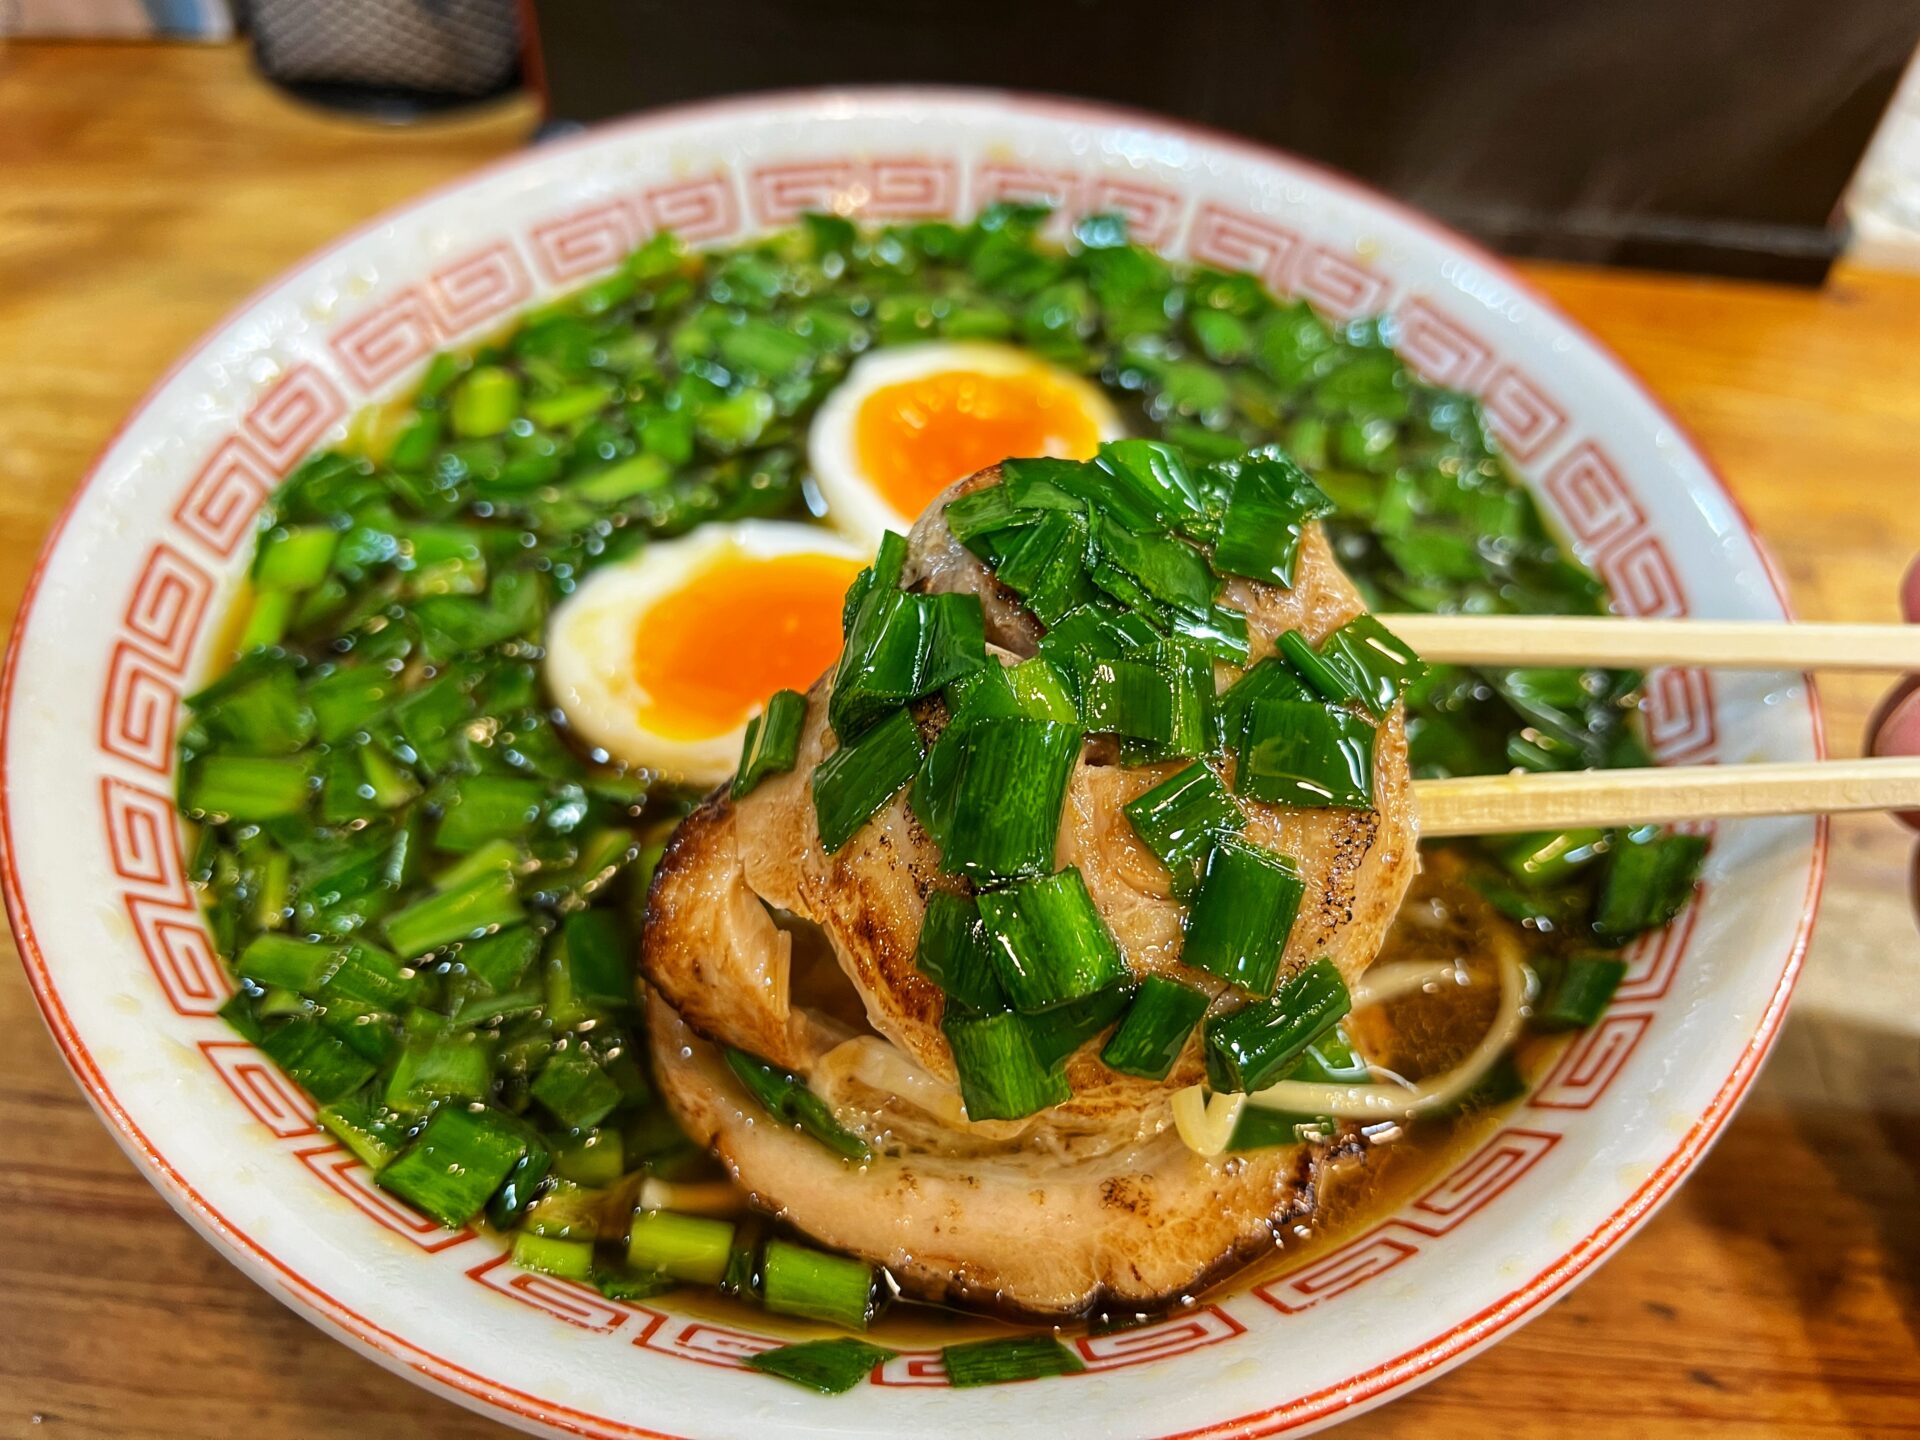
772, 742
485, 402
1057, 1033
500, 960
1647, 883
1300, 753
294, 558
1155, 1029
1331, 1060
954, 953
687, 1247
831, 1367
1147, 571
787, 1097
247, 787
466, 907
1331, 679
481, 808
996, 1362
567, 1259
813, 1285
272, 959
1271, 679
370, 1131
630, 1285
742, 1280
991, 793
1001, 1076
459, 1158
1182, 818
881, 664
889, 562
1156, 474
956, 640
1242, 914
1040, 692
1259, 1128
433, 1068
983, 513
321, 1064
1044, 564
595, 963
574, 1089
983, 694
899, 648
523, 1183
1379, 663
1221, 633
1270, 501
1048, 942
855, 782
1249, 1048
1542, 858
1580, 993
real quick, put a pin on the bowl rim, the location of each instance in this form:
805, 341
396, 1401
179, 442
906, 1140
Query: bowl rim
1349, 1397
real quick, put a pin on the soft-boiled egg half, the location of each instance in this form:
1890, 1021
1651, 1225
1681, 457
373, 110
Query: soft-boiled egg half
660, 659
910, 420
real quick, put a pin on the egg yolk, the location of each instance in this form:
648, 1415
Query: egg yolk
919, 436
740, 628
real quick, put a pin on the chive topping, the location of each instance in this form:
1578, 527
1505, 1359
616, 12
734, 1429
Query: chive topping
831, 1367
1048, 942
1270, 501
1242, 915
1580, 992
1248, 1048
991, 793
1295, 753
1648, 881
955, 954
1001, 1076
996, 1362
787, 1097
1182, 818
1155, 1029
854, 784
772, 742
798, 1280
687, 1247
459, 1158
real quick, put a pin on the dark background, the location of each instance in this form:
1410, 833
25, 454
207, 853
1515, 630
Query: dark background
1693, 134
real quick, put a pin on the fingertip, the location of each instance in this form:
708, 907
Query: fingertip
1898, 733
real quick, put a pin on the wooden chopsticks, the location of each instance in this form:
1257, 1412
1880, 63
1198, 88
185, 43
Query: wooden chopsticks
1569, 799
1494, 804
1621, 643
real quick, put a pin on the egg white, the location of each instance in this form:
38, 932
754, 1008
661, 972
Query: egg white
855, 505
591, 637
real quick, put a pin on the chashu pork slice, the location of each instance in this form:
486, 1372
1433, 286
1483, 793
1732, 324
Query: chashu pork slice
757, 938
1015, 1231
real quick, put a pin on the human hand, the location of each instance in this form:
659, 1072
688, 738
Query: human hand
1895, 726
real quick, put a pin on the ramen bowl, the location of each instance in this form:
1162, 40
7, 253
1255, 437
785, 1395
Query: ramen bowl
124, 618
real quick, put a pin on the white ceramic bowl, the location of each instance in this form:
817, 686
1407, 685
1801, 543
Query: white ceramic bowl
119, 623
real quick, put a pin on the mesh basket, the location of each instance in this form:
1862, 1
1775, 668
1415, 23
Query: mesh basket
442, 47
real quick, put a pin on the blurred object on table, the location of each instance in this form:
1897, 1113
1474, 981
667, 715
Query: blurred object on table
1638, 132
116, 19
390, 58
1883, 203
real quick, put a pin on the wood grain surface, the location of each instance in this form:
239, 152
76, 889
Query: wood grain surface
145, 191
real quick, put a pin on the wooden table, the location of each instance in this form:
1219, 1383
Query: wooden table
144, 191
